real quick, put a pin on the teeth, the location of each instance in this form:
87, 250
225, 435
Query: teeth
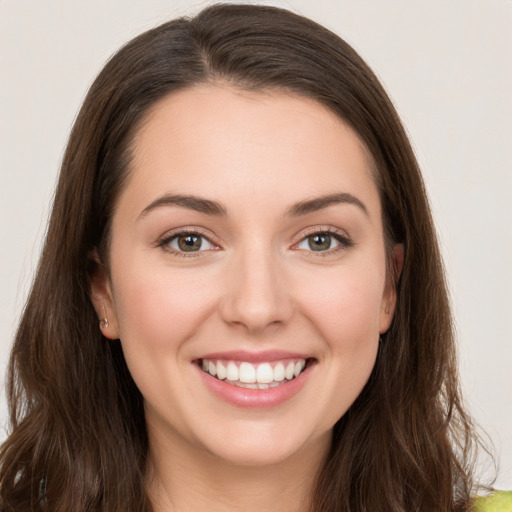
221, 371
247, 375
254, 385
279, 372
289, 371
232, 371
299, 366
246, 385
264, 374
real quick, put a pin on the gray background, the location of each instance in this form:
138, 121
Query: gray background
447, 66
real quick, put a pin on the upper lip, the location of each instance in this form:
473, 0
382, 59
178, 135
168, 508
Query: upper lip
255, 357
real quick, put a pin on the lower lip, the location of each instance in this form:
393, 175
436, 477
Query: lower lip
255, 398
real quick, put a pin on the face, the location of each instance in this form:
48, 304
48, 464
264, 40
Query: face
247, 278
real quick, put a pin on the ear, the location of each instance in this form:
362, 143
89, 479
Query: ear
390, 295
102, 298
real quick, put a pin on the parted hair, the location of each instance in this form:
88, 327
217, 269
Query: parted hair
77, 435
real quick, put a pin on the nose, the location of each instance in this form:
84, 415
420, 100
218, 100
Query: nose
257, 295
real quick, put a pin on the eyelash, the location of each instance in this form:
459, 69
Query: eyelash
165, 242
342, 238
344, 242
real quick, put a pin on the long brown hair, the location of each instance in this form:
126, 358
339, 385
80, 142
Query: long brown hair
78, 439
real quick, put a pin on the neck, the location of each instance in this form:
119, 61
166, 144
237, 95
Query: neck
184, 480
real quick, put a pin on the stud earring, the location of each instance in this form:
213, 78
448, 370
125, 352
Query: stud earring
104, 320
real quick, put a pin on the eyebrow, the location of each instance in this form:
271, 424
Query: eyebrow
198, 204
319, 203
210, 207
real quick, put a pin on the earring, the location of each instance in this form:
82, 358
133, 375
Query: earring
104, 320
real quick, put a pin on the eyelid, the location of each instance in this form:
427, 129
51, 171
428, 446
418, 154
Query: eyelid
341, 236
165, 239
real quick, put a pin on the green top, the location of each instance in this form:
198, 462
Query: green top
500, 501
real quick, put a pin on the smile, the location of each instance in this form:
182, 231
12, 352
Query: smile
254, 376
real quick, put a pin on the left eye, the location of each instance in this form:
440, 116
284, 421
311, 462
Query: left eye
189, 242
319, 242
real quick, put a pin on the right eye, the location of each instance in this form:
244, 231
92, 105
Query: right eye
188, 242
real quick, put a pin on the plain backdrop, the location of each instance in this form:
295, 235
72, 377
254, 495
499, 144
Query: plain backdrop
445, 63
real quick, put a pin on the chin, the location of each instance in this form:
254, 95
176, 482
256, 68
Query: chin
265, 446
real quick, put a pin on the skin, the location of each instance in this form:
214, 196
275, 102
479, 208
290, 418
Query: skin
257, 285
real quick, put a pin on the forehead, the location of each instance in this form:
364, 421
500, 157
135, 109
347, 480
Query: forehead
224, 142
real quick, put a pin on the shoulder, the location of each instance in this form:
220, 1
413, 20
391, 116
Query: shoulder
500, 501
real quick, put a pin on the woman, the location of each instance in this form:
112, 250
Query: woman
240, 302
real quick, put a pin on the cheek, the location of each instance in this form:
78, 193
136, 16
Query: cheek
159, 311
344, 309
161, 307
345, 306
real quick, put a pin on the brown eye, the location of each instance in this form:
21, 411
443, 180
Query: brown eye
319, 242
324, 241
189, 242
